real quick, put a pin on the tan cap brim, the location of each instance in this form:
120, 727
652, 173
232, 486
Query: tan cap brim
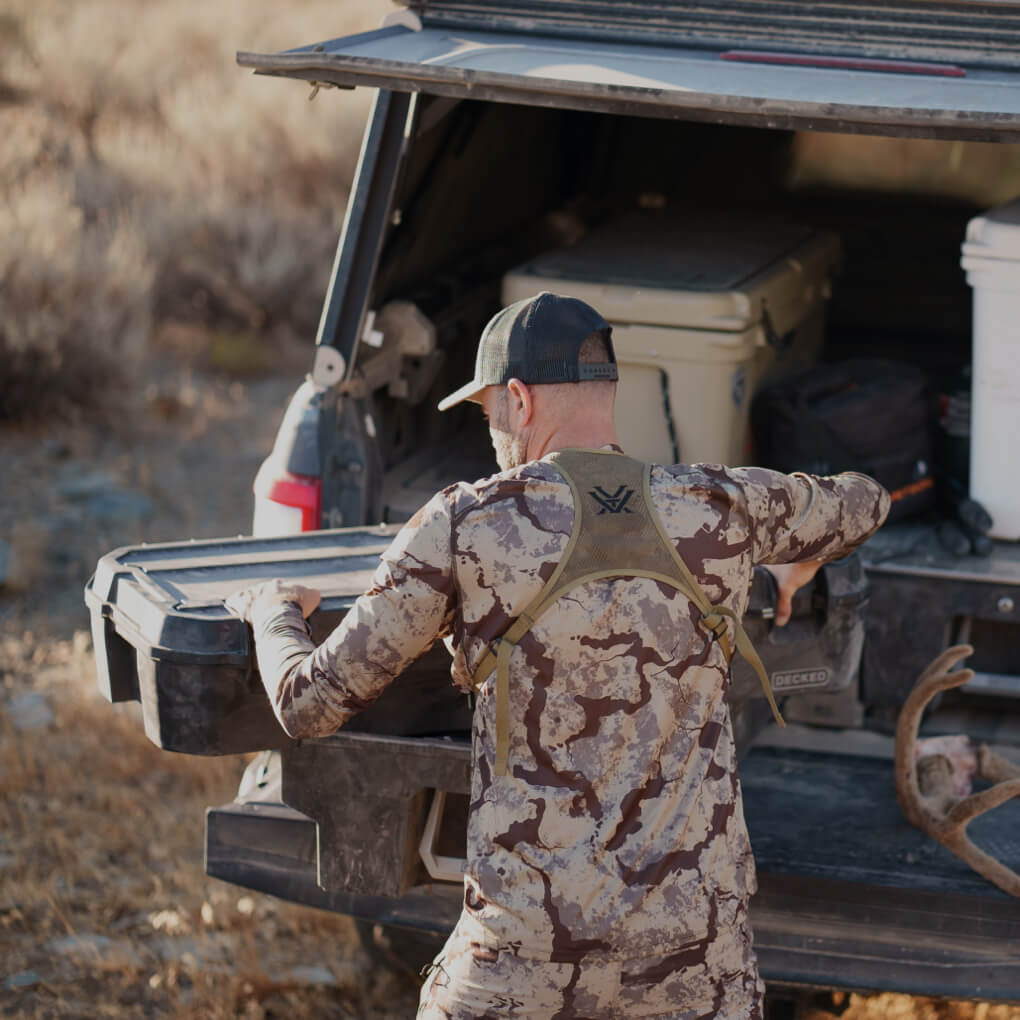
467, 392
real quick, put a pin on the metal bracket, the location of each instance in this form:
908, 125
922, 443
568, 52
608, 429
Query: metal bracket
329, 367
401, 354
371, 336
442, 869
405, 19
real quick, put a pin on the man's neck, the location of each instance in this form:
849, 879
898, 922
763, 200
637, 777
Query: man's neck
571, 437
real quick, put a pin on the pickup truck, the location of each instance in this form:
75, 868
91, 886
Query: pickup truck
828, 140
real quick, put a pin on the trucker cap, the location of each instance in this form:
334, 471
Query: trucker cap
536, 340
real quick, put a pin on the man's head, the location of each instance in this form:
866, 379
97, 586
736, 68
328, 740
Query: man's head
545, 376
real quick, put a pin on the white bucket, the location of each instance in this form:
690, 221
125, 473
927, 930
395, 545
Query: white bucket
991, 257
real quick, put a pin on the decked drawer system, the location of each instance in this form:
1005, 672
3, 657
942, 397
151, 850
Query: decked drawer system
164, 637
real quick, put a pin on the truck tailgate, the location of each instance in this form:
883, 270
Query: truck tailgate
850, 896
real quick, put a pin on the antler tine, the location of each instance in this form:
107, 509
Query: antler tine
936, 677
954, 834
966, 810
995, 767
984, 864
945, 661
950, 827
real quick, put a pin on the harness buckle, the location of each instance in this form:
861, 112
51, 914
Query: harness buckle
716, 624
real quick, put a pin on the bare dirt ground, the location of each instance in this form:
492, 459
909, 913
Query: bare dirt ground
104, 907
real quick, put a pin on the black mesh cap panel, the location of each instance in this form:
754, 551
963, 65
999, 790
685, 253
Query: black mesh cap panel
537, 340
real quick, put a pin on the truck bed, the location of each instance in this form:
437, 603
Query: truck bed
850, 895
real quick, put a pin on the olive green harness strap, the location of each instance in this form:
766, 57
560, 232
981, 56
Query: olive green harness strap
616, 533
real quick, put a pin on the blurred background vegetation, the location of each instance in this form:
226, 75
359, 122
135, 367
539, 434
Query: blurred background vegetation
157, 199
154, 196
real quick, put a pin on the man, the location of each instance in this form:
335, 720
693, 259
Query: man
608, 867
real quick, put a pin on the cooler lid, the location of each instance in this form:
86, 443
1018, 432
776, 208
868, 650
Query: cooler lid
995, 234
670, 251
669, 268
723, 77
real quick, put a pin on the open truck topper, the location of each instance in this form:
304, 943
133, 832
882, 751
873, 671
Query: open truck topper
949, 70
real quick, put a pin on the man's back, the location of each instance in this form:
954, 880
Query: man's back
618, 828
608, 865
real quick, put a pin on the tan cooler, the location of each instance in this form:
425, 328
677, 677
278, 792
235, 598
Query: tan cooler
704, 309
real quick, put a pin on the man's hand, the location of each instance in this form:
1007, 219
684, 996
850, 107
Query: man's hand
242, 602
789, 578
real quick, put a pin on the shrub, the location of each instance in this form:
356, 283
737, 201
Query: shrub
146, 181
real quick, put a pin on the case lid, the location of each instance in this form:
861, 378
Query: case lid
163, 637
167, 600
693, 270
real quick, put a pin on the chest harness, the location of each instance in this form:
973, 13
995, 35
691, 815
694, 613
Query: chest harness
616, 533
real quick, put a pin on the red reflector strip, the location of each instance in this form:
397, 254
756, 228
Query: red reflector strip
301, 492
844, 63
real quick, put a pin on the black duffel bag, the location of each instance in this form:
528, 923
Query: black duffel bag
863, 415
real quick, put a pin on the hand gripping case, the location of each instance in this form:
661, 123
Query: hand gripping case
163, 637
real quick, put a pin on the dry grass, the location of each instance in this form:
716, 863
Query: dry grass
100, 831
148, 183
153, 198
905, 1007
102, 838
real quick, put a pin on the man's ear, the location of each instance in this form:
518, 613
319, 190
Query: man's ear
521, 403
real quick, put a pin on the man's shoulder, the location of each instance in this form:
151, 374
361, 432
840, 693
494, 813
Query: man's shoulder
538, 478
700, 499
699, 476
513, 483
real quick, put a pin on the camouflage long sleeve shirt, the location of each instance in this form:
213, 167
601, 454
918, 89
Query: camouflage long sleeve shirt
619, 828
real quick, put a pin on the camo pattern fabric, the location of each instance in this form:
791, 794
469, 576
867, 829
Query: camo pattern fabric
712, 977
618, 833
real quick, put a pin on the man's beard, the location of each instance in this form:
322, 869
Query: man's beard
511, 451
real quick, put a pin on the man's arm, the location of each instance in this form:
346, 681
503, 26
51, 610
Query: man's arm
799, 522
314, 691
797, 518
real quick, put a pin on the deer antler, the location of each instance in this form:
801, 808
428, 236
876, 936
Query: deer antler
930, 804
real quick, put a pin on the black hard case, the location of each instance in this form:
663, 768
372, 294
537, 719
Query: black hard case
819, 649
163, 637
